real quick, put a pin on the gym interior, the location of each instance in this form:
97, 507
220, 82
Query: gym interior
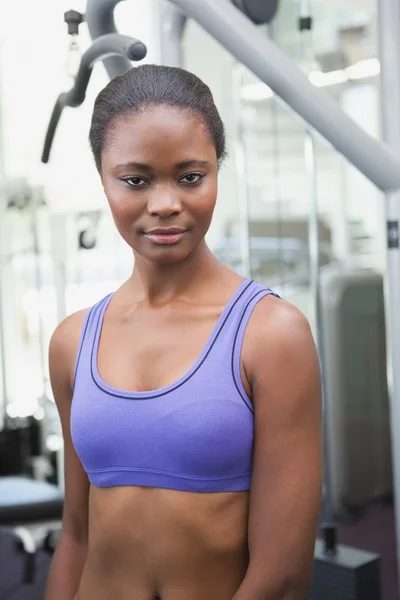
308, 204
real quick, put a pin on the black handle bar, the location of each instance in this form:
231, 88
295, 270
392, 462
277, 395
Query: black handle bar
112, 44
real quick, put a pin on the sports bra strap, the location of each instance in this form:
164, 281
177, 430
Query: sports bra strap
257, 293
88, 332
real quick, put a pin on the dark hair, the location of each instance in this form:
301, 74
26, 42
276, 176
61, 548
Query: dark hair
148, 86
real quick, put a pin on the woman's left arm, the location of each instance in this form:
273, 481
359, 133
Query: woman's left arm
281, 364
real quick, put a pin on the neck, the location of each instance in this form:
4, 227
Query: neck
161, 283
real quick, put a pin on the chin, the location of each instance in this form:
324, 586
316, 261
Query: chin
166, 255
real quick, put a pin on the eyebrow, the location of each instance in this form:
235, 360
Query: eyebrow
181, 165
192, 163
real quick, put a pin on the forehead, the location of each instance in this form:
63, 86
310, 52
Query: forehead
157, 134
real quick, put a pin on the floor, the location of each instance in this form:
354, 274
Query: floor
373, 532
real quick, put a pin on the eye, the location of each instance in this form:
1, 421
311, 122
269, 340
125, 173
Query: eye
192, 177
135, 181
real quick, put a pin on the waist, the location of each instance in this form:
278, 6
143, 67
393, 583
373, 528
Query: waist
146, 541
157, 527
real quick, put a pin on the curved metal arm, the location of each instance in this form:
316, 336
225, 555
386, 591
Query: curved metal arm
51, 129
112, 44
106, 45
100, 21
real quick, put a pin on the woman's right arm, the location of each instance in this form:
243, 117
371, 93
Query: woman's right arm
70, 555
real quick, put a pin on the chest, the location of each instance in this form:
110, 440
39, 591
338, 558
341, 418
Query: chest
150, 349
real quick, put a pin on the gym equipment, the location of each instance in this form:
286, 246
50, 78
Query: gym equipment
276, 256
173, 23
250, 46
20, 440
226, 22
349, 575
357, 402
107, 45
339, 572
31, 511
258, 12
389, 41
23, 267
328, 526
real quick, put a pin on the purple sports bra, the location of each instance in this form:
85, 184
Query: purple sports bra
193, 435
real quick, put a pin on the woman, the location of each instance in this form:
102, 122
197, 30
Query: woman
190, 397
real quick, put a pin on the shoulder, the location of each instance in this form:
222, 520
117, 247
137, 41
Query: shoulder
68, 331
278, 321
64, 345
278, 340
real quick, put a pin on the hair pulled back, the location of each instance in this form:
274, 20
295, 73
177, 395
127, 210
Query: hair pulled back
148, 86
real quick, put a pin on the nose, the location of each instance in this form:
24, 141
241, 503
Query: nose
164, 203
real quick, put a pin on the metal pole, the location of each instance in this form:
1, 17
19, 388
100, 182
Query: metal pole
328, 527
327, 516
389, 40
305, 29
243, 195
34, 206
4, 387
173, 23
59, 262
276, 175
3, 368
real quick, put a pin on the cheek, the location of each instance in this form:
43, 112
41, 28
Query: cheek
123, 204
124, 211
204, 208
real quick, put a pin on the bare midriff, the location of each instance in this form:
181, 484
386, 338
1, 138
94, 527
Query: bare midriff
147, 543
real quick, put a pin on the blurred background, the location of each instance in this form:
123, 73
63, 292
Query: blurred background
60, 252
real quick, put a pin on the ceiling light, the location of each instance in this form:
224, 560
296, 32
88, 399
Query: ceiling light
361, 70
256, 91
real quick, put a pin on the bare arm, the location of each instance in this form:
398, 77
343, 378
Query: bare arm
70, 555
282, 366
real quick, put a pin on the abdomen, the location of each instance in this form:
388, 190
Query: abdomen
146, 543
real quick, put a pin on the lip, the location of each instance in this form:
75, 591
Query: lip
166, 230
165, 235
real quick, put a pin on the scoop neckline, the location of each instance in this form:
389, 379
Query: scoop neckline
142, 395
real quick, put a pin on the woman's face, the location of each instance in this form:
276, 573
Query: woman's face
159, 172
